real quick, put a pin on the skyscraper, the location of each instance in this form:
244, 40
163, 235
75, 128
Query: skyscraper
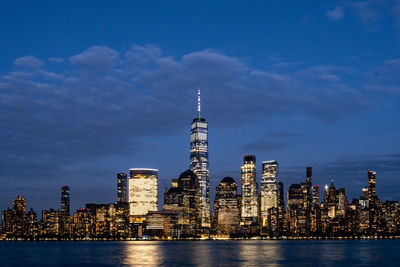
143, 191
315, 194
199, 161
269, 190
249, 213
65, 200
121, 186
185, 195
371, 186
296, 215
226, 216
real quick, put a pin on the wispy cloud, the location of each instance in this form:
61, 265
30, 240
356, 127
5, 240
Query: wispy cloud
103, 100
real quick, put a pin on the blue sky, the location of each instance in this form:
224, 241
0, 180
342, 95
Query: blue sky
89, 89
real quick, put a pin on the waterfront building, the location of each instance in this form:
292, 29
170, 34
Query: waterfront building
121, 187
32, 226
84, 223
315, 194
50, 223
364, 202
143, 191
104, 216
282, 223
185, 196
371, 186
199, 162
269, 190
65, 201
296, 213
250, 205
163, 224
226, 217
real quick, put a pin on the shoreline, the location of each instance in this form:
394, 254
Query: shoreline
199, 239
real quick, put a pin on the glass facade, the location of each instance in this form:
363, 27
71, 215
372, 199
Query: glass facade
143, 191
199, 164
121, 187
249, 209
371, 185
269, 188
226, 216
65, 199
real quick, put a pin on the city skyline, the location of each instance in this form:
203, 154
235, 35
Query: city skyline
89, 92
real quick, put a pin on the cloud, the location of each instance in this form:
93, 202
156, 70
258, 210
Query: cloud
335, 14
29, 62
96, 58
56, 59
369, 12
384, 78
103, 101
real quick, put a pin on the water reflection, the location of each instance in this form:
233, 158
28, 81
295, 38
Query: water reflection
256, 253
141, 253
202, 253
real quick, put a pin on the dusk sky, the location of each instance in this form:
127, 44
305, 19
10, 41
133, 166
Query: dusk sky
92, 88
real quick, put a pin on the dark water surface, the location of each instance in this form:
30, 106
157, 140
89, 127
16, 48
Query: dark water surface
202, 253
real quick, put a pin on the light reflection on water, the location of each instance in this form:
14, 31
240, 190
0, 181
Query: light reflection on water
258, 253
201, 253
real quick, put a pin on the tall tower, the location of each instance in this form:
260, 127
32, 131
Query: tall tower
371, 186
269, 190
199, 161
65, 203
250, 209
143, 191
121, 187
309, 195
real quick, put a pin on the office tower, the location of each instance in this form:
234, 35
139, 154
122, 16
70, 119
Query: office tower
315, 194
121, 187
315, 211
282, 225
371, 186
143, 191
19, 215
226, 217
50, 223
65, 202
332, 200
342, 203
281, 198
269, 192
19, 205
185, 195
326, 195
296, 210
364, 202
199, 161
249, 212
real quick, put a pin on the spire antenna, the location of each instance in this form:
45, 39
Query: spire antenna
198, 101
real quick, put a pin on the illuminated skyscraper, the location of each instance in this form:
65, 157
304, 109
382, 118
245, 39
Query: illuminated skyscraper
226, 216
185, 195
269, 190
199, 161
249, 208
371, 185
315, 194
143, 191
65, 203
121, 186
296, 215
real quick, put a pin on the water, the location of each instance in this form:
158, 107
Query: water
201, 253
